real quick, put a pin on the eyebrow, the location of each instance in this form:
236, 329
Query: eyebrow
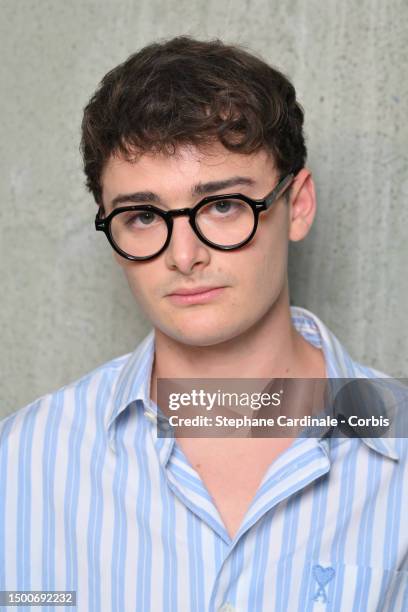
200, 189
214, 186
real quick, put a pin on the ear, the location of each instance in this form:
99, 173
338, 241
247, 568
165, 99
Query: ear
302, 204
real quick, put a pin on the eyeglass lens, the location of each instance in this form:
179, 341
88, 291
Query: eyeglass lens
224, 223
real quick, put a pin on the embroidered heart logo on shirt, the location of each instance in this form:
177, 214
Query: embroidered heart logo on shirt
323, 575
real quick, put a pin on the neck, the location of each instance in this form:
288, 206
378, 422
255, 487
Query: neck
272, 348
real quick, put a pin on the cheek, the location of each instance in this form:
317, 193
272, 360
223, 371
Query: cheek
268, 267
140, 282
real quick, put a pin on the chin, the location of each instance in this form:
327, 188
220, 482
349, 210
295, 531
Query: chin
202, 331
196, 339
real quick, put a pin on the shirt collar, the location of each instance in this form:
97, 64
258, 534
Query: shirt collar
133, 384
339, 364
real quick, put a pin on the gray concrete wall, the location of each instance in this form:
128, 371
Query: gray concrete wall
64, 307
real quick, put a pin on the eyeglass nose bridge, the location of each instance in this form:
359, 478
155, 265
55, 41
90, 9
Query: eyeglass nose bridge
180, 212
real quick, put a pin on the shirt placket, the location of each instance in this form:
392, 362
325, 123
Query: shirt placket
300, 465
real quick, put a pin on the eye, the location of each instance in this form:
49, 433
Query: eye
145, 218
139, 219
224, 208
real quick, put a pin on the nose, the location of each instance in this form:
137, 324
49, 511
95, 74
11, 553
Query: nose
186, 253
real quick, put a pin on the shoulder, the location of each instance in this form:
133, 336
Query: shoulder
360, 390
380, 403
62, 403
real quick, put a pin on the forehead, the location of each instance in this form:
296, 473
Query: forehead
176, 173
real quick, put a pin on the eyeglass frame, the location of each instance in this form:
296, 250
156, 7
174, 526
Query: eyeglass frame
257, 207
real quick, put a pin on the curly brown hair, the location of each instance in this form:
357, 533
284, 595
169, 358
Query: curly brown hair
186, 91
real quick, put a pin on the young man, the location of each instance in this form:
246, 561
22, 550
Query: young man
93, 499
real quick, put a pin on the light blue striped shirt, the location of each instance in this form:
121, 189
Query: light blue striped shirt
92, 500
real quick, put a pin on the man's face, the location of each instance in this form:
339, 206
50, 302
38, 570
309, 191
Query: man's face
252, 279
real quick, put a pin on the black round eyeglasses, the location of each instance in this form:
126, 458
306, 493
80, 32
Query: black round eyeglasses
224, 222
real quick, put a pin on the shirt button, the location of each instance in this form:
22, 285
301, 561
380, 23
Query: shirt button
227, 607
149, 415
164, 424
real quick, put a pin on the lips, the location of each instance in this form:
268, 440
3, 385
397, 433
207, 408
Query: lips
198, 295
194, 291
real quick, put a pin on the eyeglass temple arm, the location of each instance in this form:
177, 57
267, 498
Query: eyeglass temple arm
279, 190
99, 221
